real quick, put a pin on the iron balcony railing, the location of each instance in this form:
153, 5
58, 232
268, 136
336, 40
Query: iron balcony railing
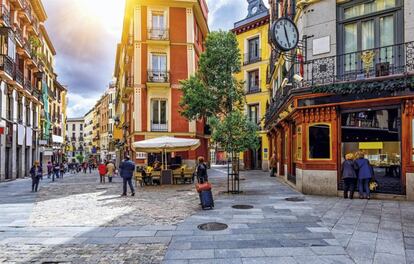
18, 77
158, 34
156, 127
19, 35
361, 66
27, 47
158, 76
252, 57
28, 85
6, 64
28, 11
5, 15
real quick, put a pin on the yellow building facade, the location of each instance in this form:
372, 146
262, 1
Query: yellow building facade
252, 37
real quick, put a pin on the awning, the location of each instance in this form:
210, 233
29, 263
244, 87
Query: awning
166, 144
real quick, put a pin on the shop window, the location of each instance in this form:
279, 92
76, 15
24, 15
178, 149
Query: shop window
299, 143
319, 141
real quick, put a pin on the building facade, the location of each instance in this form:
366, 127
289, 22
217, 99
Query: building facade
23, 95
88, 131
75, 138
160, 46
252, 36
347, 87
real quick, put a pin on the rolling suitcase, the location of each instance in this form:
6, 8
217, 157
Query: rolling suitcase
206, 198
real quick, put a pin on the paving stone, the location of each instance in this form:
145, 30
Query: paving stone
329, 250
239, 253
190, 254
269, 260
286, 251
150, 240
390, 246
136, 233
385, 258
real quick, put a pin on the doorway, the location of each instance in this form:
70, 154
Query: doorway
377, 133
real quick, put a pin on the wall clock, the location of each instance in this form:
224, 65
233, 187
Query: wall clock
284, 34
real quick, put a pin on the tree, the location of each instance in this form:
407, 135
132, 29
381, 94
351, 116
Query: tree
214, 94
80, 158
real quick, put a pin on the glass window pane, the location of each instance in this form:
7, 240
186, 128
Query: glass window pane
351, 45
386, 38
163, 118
367, 8
368, 35
155, 112
319, 142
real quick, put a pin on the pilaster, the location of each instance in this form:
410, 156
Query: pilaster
14, 136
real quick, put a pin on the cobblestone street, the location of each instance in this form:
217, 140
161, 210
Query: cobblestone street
78, 220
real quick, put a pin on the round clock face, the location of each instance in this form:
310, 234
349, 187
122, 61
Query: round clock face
285, 34
254, 10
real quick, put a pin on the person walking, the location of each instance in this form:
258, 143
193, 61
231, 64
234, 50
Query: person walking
349, 175
102, 172
273, 165
36, 172
365, 173
56, 169
90, 167
62, 170
49, 169
201, 170
110, 168
127, 169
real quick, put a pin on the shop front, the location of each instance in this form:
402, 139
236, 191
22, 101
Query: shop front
311, 141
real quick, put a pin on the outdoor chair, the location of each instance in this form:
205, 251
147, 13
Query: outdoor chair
189, 175
138, 179
156, 177
178, 175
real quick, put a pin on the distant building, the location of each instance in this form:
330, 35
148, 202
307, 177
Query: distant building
75, 138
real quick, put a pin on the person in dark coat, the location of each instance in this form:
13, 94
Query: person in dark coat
36, 173
349, 175
127, 169
202, 170
365, 173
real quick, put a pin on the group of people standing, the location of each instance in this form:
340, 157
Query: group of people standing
356, 170
107, 169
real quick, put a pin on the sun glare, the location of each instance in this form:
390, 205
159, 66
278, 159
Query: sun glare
108, 12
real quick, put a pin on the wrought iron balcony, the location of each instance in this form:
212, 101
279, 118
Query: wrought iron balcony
18, 77
5, 15
157, 76
28, 85
155, 127
6, 65
19, 36
27, 11
158, 34
360, 65
252, 57
27, 47
355, 72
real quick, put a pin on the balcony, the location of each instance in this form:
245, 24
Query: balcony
18, 77
28, 48
159, 127
5, 15
27, 11
157, 76
252, 57
28, 85
158, 34
6, 65
19, 36
356, 72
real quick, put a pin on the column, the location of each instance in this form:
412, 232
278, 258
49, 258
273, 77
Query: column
14, 140
22, 155
2, 124
31, 147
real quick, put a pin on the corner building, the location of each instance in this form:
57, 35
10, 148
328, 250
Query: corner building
348, 87
161, 44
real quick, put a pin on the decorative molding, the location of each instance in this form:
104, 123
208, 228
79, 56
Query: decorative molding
318, 114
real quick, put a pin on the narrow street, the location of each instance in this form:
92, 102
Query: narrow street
78, 220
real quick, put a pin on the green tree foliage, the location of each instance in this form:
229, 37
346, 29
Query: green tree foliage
216, 95
80, 158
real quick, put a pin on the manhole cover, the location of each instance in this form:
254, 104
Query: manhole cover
295, 199
242, 206
213, 226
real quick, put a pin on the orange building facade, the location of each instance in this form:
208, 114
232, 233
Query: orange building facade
160, 46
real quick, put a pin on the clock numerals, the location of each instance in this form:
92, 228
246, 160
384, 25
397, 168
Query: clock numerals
285, 34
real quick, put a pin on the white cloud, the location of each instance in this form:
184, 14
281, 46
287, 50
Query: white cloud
79, 105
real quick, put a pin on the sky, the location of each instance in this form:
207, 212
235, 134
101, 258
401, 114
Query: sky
85, 34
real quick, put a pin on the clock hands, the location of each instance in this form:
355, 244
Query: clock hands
286, 34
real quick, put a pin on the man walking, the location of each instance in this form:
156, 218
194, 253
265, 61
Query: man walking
273, 165
110, 168
102, 171
127, 169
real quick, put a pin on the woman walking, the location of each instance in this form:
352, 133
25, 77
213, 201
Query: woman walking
36, 173
202, 170
49, 169
365, 173
349, 175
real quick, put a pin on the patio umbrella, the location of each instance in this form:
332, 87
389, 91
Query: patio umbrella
166, 144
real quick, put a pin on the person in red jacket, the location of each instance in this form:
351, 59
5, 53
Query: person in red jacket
102, 171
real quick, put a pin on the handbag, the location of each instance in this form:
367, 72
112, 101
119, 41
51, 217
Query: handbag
373, 185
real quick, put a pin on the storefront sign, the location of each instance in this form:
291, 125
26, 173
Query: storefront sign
371, 145
42, 142
141, 155
1, 130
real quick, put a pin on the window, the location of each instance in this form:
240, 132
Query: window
376, 24
158, 30
81, 127
253, 113
254, 49
299, 143
159, 67
159, 115
253, 81
319, 141
74, 127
